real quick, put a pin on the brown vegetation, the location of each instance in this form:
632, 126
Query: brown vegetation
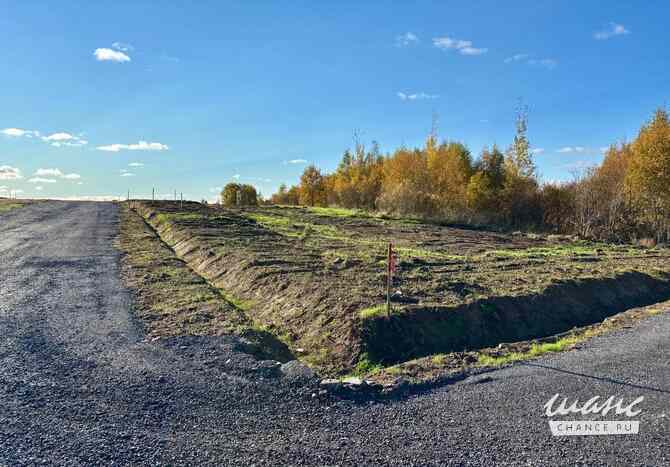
626, 198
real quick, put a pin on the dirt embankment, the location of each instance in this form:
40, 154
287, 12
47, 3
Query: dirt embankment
265, 275
307, 275
421, 331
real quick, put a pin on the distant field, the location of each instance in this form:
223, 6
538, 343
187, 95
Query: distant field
9, 204
315, 279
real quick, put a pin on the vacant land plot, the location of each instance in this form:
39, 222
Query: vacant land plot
315, 279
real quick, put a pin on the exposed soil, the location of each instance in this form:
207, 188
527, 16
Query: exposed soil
305, 275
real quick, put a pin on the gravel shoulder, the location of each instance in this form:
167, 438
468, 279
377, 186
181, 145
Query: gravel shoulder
80, 384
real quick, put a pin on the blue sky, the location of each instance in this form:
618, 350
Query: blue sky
202, 93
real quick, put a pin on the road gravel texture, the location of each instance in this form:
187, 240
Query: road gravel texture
80, 384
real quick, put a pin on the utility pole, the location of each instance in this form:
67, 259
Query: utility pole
153, 194
181, 196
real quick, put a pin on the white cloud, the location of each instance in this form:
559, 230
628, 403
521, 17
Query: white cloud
41, 180
140, 146
516, 58
614, 30
296, 161
39, 188
64, 139
136, 164
127, 174
406, 39
62, 136
110, 55
604, 149
463, 47
10, 173
55, 139
48, 173
16, 132
236, 176
56, 173
417, 96
123, 47
537, 151
569, 149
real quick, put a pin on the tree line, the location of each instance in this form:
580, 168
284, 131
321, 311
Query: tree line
626, 198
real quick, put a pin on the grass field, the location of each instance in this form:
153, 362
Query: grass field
314, 278
7, 205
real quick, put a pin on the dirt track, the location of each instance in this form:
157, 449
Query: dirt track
79, 384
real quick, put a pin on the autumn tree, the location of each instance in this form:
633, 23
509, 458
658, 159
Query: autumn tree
450, 168
649, 174
485, 186
312, 188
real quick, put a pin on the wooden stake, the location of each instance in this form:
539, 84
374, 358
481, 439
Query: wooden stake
388, 280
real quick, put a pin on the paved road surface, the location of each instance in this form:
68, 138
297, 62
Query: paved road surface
79, 385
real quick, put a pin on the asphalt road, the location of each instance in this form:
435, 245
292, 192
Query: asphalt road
80, 385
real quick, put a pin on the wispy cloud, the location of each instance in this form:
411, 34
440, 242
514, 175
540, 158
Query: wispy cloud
55, 139
140, 146
127, 174
48, 173
406, 39
123, 47
463, 47
548, 63
10, 173
537, 151
136, 164
296, 161
569, 149
236, 176
18, 132
110, 55
517, 58
41, 180
416, 96
56, 173
613, 30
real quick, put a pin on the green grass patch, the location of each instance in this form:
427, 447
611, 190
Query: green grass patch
9, 206
338, 212
536, 350
366, 367
373, 312
240, 304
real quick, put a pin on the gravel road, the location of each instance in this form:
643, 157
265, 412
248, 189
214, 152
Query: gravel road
80, 384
